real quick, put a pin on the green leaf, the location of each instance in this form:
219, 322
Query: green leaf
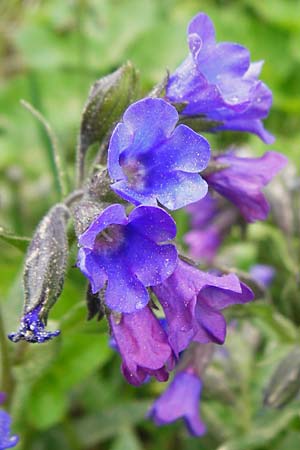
48, 404
80, 354
127, 440
95, 428
264, 431
271, 321
77, 357
19, 242
284, 384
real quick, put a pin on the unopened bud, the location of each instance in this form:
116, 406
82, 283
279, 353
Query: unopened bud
44, 274
285, 382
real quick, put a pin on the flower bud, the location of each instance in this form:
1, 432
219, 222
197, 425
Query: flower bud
285, 381
44, 273
108, 98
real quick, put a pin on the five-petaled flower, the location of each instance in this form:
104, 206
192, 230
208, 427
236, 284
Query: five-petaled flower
129, 253
180, 400
218, 81
150, 160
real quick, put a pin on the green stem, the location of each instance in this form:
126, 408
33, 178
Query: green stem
71, 435
47, 137
6, 372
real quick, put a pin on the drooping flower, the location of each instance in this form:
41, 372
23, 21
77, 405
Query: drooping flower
242, 181
180, 400
193, 300
129, 253
209, 225
150, 160
6, 440
32, 329
263, 274
218, 81
143, 345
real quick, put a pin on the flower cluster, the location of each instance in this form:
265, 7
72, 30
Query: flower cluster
127, 250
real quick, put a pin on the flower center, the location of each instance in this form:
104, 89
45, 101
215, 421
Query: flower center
135, 173
110, 239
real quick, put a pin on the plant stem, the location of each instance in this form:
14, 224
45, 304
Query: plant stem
7, 376
48, 138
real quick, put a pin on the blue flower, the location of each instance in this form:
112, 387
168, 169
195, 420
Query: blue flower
6, 440
32, 329
263, 274
180, 400
128, 253
150, 160
218, 81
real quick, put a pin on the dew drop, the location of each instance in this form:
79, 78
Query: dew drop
139, 305
234, 99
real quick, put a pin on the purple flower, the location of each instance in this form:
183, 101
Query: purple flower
150, 160
180, 400
263, 274
218, 81
143, 345
32, 329
203, 211
129, 253
242, 181
6, 440
192, 301
204, 244
210, 223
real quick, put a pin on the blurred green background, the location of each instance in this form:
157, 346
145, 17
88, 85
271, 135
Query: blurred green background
68, 394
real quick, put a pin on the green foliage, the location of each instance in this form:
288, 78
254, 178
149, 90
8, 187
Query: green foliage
69, 394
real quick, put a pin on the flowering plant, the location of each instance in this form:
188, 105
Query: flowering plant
164, 311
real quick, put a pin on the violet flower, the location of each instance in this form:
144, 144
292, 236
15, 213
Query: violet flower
150, 160
143, 345
6, 440
32, 329
180, 400
218, 82
193, 300
242, 181
263, 274
128, 253
209, 225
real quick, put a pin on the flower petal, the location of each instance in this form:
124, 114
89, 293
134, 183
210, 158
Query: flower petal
179, 189
211, 321
202, 26
121, 139
145, 197
91, 265
185, 150
114, 214
159, 261
125, 292
153, 223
